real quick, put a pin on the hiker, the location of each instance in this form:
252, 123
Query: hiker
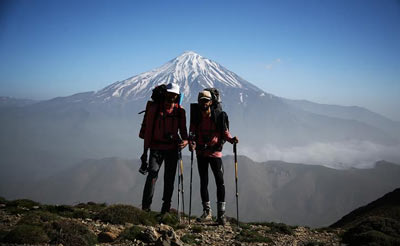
210, 131
165, 134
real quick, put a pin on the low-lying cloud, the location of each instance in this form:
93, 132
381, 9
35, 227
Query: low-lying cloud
339, 155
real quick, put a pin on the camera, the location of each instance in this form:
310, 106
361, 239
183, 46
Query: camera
169, 137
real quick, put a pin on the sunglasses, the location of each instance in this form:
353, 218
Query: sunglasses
204, 100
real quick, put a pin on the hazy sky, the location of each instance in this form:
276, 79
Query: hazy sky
337, 52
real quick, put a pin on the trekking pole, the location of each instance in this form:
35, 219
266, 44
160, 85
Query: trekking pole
179, 190
191, 179
236, 181
181, 176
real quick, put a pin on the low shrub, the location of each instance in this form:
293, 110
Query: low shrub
20, 206
26, 203
249, 236
70, 233
168, 219
190, 239
197, 229
132, 233
62, 210
277, 228
373, 231
83, 214
38, 218
92, 207
121, 214
3, 200
3, 234
26, 234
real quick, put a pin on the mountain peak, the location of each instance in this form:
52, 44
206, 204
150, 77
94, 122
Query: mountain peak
189, 53
190, 71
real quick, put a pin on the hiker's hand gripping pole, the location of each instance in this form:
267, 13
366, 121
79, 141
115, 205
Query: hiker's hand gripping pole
236, 181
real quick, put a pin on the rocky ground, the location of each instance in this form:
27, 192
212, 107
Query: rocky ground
183, 233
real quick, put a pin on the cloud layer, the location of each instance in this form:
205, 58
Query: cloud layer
339, 155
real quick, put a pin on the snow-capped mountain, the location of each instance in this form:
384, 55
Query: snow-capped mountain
190, 71
105, 123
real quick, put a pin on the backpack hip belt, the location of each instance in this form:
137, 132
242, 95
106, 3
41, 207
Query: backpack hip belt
203, 147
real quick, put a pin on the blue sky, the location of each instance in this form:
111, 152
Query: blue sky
335, 52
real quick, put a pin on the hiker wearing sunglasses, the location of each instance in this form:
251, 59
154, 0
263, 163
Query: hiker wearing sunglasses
210, 129
165, 134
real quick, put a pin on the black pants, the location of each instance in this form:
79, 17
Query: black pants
218, 171
170, 157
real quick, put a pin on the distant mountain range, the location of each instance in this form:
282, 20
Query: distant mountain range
105, 123
9, 102
295, 194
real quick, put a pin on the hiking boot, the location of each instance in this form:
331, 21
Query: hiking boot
165, 208
206, 216
221, 219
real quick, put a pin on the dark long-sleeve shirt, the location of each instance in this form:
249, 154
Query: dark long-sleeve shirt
164, 126
207, 134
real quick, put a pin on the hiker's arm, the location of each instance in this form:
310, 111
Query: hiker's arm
228, 137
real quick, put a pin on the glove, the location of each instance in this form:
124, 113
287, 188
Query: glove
144, 165
192, 145
235, 140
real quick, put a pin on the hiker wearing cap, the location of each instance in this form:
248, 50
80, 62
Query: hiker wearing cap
210, 131
164, 132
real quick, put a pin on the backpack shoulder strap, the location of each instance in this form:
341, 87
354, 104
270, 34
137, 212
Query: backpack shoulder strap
224, 120
195, 114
